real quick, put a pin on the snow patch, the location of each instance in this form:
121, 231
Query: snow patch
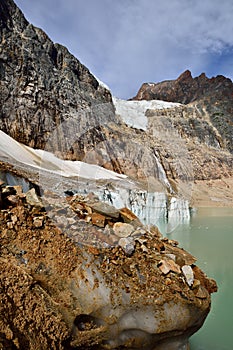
9, 148
133, 113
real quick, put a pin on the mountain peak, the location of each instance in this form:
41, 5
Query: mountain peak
186, 75
186, 89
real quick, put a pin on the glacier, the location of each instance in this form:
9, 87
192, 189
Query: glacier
152, 208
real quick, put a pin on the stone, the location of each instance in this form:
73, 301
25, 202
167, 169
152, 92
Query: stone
33, 199
122, 229
127, 244
188, 274
13, 199
127, 215
14, 219
18, 190
196, 283
202, 293
10, 225
182, 257
167, 266
38, 221
105, 209
98, 219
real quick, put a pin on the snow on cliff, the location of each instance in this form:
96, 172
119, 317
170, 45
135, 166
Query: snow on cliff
133, 113
9, 148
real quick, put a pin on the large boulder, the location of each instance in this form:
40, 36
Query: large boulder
68, 283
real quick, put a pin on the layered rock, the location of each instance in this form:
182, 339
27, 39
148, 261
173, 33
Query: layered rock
212, 96
88, 276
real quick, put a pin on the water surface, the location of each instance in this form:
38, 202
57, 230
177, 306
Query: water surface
209, 237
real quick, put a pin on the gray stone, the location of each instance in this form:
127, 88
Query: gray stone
33, 199
188, 274
127, 244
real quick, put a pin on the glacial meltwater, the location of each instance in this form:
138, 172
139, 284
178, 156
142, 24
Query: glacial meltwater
209, 237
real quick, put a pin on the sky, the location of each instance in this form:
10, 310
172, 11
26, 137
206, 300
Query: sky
125, 43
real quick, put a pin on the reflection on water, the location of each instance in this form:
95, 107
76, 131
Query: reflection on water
209, 237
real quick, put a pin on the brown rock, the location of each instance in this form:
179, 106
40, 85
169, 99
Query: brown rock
155, 231
202, 293
38, 221
208, 283
168, 265
98, 219
18, 189
182, 256
196, 283
127, 215
13, 199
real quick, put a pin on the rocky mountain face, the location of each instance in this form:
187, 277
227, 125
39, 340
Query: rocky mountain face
210, 96
43, 85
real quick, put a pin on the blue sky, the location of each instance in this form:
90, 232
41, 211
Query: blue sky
128, 42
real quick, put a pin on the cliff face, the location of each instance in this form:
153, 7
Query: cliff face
42, 85
213, 96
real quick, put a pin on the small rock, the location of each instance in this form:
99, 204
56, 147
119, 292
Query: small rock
104, 209
8, 190
108, 230
18, 189
38, 221
33, 199
10, 225
13, 199
168, 265
127, 244
180, 253
98, 219
14, 219
126, 268
93, 250
188, 274
127, 215
71, 221
173, 242
155, 231
202, 292
196, 283
171, 256
122, 229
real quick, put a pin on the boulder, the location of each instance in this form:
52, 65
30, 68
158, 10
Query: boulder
58, 293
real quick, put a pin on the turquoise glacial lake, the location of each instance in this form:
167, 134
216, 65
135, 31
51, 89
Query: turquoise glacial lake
209, 237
